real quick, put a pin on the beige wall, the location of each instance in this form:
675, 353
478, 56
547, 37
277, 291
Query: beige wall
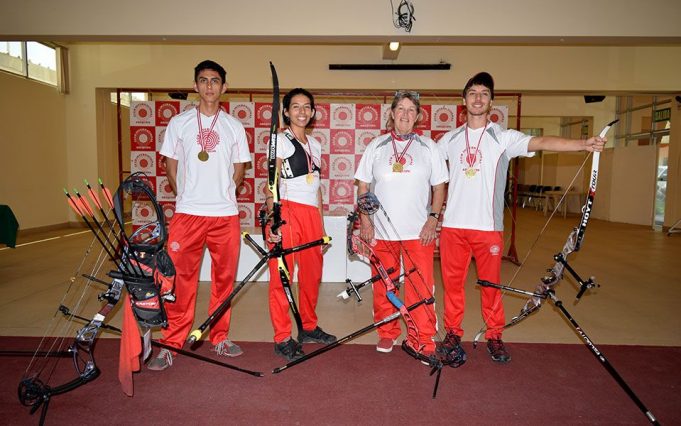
358, 20
33, 146
84, 129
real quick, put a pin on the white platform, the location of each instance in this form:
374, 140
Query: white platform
337, 266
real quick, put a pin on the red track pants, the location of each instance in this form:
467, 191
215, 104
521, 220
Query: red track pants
303, 225
456, 247
414, 289
188, 235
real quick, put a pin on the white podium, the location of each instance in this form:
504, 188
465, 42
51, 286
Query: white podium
337, 266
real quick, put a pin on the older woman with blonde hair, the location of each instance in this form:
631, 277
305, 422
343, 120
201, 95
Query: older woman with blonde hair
407, 173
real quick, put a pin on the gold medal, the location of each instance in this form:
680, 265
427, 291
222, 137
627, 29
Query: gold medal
309, 178
470, 172
203, 156
397, 167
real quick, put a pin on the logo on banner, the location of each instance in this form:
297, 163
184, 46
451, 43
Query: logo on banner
461, 115
160, 164
245, 192
260, 165
363, 138
442, 117
424, 123
246, 215
324, 185
341, 192
168, 210
342, 116
385, 113
262, 138
321, 117
165, 111
142, 213
499, 115
322, 136
342, 167
142, 139
342, 141
165, 191
325, 166
142, 113
250, 138
244, 113
368, 117
263, 114
260, 193
160, 136
142, 162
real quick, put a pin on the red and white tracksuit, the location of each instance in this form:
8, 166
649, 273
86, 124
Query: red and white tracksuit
187, 237
456, 247
414, 289
303, 225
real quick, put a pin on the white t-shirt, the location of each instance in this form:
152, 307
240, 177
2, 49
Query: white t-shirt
297, 189
476, 200
206, 188
405, 196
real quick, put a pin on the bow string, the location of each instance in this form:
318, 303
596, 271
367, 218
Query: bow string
572, 244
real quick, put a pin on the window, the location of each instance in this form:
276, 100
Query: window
128, 97
37, 61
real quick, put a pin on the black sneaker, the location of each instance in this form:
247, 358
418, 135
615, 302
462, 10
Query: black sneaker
289, 349
451, 351
498, 351
316, 336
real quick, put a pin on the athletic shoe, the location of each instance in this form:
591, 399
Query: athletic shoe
451, 350
385, 345
316, 336
163, 360
289, 349
497, 350
228, 348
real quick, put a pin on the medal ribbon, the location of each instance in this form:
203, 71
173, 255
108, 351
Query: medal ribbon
470, 159
203, 141
399, 157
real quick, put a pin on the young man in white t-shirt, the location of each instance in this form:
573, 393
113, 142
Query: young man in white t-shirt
479, 153
206, 153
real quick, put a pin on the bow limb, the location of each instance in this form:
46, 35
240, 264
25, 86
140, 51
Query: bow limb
572, 244
273, 186
361, 248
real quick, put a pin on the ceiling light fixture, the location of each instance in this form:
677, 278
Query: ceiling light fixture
391, 50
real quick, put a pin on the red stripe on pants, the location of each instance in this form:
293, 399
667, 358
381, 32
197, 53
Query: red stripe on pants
414, 289
188, 236
456, 247
303, 225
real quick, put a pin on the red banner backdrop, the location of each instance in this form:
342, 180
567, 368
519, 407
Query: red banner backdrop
344, 130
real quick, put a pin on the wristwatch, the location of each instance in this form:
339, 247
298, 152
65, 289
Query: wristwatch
435, 215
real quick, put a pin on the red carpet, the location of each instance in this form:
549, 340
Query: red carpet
353, 384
